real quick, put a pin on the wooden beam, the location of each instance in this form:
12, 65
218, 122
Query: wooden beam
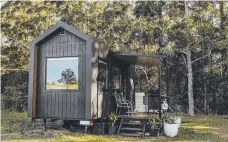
34, 82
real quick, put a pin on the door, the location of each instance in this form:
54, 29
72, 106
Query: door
103, 99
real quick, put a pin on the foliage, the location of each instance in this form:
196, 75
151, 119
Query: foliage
68, 77
178, 114
170, 119
14, 90
12, 121
147, 27
113, 118
20, 23
153, 120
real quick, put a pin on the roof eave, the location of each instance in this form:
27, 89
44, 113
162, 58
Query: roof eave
63, 25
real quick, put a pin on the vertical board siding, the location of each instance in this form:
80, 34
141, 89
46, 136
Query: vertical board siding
68, 104
49, 97
72, 107
56, 105
81, 96
45, 100
38, 111
76, 47
61, 104
53, 102
76, 105
42, 78
64, 95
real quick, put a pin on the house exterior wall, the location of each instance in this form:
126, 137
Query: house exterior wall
62, 104
98, 51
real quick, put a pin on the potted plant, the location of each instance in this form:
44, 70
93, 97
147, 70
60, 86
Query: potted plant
154, 125
170, 126
112, 121
178, 119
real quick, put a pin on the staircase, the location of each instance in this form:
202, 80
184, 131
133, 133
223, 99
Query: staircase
132, 127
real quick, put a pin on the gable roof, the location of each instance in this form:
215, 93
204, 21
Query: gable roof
65, 26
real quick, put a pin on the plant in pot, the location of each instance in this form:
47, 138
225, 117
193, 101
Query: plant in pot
178, 119
112, 121
154, 125
170, 126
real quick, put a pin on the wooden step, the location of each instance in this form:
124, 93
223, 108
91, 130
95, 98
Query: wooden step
131, 129
132, 123
133, 118
130, 135
131, 112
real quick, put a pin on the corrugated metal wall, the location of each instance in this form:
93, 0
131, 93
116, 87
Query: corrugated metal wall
68, 104
139, 106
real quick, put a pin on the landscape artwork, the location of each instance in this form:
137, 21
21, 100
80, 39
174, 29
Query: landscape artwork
62, 73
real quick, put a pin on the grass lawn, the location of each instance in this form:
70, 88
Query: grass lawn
62, 86
193, 129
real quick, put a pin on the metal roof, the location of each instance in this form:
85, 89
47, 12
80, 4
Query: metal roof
63, 25
139, 59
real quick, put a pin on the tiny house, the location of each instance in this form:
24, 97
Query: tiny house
73, 77
61, 76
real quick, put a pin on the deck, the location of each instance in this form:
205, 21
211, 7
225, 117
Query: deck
134, 125
138, 115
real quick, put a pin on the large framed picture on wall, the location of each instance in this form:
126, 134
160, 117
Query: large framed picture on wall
62, 73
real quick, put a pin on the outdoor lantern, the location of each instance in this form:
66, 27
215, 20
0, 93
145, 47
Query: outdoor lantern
164, 106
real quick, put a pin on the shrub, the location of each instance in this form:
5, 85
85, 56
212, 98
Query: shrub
12, 122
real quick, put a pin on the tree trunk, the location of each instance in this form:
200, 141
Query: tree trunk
205, 95
224, 51
217, 103
190, 76
190, 84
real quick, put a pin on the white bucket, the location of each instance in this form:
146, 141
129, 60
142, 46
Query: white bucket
170, 130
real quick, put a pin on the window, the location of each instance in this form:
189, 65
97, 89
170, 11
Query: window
62, 73
116, 75
102, 75
62, 32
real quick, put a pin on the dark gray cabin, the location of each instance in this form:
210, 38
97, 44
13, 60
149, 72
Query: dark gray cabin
59, 41
96, 69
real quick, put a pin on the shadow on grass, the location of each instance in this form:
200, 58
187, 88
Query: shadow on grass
190, 131
187, 134
190, 135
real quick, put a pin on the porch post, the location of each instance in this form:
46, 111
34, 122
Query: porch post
159, 85
167, 87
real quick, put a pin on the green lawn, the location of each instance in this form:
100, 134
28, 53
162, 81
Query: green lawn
63, 86
193, 129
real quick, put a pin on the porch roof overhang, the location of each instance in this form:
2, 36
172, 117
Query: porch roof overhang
139, 59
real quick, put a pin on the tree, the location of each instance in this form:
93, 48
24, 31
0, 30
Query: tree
21, 22
190, 73
68, 76
194, 42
